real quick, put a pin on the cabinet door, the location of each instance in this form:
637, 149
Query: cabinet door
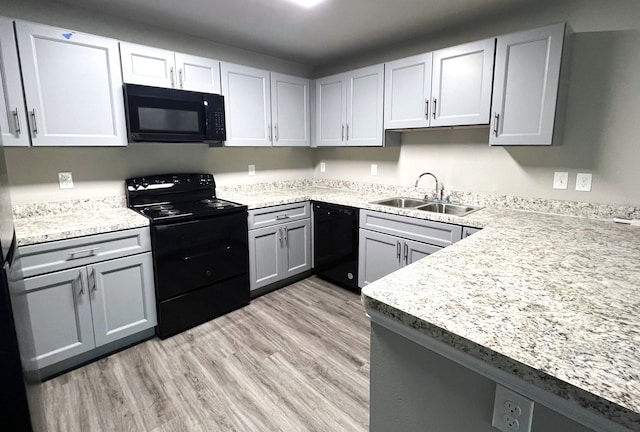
247, 102
60, 312
147, 65
198, 73
13, 117
331, 105
297, 248
73, 87
379, 255
407, 87
412, 251
461, 88
365, 111
290, 110
527, 74
122, 297
265, 256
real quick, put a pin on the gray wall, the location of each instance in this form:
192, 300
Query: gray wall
600, 132
100, 172
414, 389
600, 136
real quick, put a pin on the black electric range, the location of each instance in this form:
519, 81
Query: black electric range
200, 248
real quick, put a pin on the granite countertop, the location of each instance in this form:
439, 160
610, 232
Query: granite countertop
45, 227
551, 299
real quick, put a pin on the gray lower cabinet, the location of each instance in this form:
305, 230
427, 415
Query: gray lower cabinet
278, 251
90, 305
389, 242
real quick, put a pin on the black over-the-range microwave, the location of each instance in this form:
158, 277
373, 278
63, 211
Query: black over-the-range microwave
168, 115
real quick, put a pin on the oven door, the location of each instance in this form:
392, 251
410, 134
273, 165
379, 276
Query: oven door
193, 254
165, 115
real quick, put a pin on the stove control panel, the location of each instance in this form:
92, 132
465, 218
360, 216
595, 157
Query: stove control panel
182, 183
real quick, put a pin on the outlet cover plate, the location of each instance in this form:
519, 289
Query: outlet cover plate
323, 167
583, 182
65, 179
252, 170
560, 180
374, 169
512, 412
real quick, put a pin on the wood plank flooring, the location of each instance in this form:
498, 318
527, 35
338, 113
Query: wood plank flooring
296, 359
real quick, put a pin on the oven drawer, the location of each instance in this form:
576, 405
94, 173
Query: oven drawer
63, 254
268, 216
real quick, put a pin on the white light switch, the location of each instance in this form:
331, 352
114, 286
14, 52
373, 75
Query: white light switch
65, 179
252, 170
374, 169
323, 167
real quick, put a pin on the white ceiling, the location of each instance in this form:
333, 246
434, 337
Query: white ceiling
332, 30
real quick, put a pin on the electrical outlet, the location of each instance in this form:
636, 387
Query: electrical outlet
252, 170
511, 411
560, 180
65, 179
374, 169
583, 182
323, 167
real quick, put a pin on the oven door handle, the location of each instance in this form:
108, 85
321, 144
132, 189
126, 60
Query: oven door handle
200, 255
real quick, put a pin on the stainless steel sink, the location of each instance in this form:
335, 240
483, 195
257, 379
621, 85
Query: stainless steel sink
452, 209
401, 202
424, 205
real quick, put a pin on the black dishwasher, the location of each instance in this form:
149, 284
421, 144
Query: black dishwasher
335, 247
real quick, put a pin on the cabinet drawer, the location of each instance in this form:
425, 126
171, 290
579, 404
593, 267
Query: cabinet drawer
268, 216
435, 233
59, 255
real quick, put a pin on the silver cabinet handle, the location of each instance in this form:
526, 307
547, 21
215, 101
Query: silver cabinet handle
286, 236
496, 117
347, 131
435, 101
275, 129
426, 108
280, 236
406, 253
269, 131
34, 127
172, 77
16, 119
398, 249
284, 216
72, 254
180, 78
93, 286
342, 132
81, 284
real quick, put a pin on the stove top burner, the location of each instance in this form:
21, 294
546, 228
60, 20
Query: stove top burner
168, 212
159, 207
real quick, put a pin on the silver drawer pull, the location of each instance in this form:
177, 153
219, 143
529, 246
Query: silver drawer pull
90, 251
284, 216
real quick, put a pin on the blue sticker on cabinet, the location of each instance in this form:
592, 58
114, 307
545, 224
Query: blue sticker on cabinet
67, 35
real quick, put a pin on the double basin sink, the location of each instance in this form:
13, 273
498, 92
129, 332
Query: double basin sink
428, 206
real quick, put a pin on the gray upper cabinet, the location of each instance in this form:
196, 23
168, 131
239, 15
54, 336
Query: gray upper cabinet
527, 75
290, 111
162, 68
408, 92
247, 102
13, 116
349, 108
461, 84
73, 87
449, 87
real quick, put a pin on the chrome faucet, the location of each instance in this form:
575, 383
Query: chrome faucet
439, 191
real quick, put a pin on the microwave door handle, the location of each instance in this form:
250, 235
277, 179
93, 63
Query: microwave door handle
207, 120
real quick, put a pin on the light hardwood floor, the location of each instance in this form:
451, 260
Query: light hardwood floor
296, 359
